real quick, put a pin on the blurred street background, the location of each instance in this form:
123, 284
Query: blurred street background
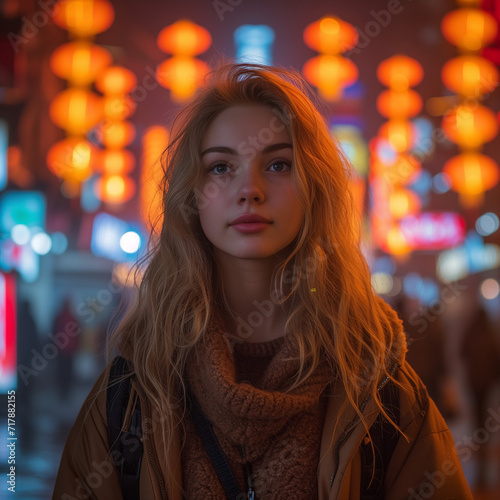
88, 92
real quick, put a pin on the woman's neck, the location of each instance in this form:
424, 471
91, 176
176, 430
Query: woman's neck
255, 315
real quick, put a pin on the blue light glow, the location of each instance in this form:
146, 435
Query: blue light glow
4, 141
254, 44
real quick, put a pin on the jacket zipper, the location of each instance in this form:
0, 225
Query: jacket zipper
152, 458
248, 477
347, 431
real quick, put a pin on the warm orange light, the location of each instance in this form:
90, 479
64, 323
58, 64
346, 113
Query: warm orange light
116, 80
399, 133
400, 72
182, 75
470, 126
184, 38
118, 107
403, 171
72, 159
115, 189
115, 161
76, 110
396, 243
470, 75
469, 29
84, 18
403, 202
399, 103
79, 62
154, 143
330, 36
472, 173
330, 74
117, 135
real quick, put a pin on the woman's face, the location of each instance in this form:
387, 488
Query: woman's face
247, 202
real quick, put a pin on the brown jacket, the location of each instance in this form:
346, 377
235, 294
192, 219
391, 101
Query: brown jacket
423, 466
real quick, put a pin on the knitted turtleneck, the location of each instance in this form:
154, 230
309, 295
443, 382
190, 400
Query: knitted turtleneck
240, 387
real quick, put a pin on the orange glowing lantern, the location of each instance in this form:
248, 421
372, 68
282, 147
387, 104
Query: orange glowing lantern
118, 107
114, 189
72, 159
399, 103
469, 29
182, 75
117, 135
403, 202
76, 110
470, 126
116, 162
116, 80
79, 62
470, 75
400, 72
330, 74
84, 18
154, 143
396, 243
330, 35
403, 171
184, 38
399, 133
471, 173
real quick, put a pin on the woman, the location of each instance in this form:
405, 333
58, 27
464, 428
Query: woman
256, 308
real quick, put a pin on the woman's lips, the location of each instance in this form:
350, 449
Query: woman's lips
250, 223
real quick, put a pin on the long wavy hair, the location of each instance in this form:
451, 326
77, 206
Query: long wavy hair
334, 317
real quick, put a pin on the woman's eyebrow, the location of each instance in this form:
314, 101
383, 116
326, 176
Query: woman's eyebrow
268, 149
219, 149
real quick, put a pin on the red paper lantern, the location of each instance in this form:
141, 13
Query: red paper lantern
469, 29
403, 202
72, 159
117, 135
116, 162
472, 173
184, 38
115, 189
84, 18
330, 74
79, 62
400, 72
182, 75
399, 133
470, 126
399, 103
330, 35
116, 80
470, 75
76, 110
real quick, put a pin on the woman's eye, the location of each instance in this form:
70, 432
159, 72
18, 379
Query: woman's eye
280, 166
219, 168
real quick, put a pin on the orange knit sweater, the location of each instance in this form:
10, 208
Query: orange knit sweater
240, 389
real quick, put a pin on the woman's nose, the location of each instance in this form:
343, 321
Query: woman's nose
251, 187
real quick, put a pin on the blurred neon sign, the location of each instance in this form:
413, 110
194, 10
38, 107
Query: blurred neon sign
433, 230
8, 375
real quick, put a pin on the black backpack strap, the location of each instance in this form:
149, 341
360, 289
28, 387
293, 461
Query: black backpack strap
213, 448
384, 438
126, 447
